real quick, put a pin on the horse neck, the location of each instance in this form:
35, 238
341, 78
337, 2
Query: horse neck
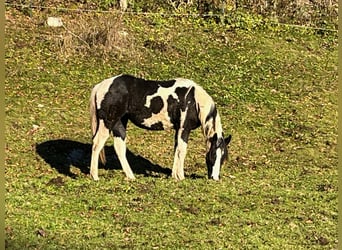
210, 126
206, 107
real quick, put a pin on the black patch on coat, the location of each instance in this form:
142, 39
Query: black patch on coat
114, 105
185, 102
156, 104
157, 126
173, 110
181, 93
191, 120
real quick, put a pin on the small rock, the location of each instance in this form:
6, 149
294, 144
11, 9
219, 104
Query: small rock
41, 232
54, 22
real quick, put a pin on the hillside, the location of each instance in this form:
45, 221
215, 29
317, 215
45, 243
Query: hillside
275, 87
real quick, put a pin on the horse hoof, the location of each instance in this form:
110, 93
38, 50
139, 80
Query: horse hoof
177, 177
95, 178
131, 178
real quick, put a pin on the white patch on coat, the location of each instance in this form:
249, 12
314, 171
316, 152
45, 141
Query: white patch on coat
217, 165
165, 93
101, 89
162, 117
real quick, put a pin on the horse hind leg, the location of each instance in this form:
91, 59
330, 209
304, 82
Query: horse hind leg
119, 133
99, 141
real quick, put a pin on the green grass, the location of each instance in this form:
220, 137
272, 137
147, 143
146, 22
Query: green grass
276, 90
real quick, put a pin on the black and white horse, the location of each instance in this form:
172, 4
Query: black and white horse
178, 104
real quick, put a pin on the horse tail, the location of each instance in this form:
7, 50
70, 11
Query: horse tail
94, 122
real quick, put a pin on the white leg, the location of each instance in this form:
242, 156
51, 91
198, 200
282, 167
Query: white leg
98, 143
178, 163
120, 149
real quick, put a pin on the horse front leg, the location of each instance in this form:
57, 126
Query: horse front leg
181, 144
120, 149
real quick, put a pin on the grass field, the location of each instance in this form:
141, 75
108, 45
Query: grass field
276, 91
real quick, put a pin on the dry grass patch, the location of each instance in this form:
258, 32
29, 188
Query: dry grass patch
104, 36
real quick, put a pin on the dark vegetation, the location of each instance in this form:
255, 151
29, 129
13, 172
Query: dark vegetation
305, 12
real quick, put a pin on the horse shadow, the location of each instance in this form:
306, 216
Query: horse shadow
62, 154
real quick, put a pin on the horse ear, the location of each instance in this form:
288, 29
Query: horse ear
227, 139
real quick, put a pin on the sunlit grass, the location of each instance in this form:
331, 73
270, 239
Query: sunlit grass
277, 95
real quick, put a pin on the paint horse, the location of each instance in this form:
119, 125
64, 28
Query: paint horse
178, 104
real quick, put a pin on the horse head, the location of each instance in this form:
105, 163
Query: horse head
216, 155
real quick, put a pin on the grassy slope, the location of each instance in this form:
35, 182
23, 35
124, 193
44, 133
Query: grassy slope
277, 94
